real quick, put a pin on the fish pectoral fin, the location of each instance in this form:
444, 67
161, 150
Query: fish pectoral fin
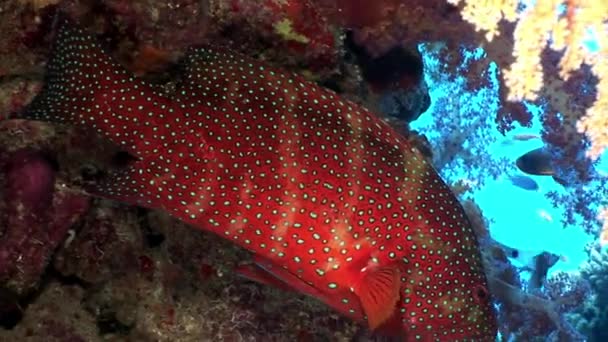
266, 272
378, 292
258, 274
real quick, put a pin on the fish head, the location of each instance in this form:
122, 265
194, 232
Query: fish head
450, 314
444, 293
437, 296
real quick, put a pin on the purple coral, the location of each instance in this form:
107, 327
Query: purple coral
35, 218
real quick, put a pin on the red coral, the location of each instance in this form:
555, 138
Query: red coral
294, 27
360, 13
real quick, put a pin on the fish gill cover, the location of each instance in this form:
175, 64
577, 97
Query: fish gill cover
334, 201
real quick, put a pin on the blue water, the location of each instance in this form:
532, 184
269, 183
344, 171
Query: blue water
519, 218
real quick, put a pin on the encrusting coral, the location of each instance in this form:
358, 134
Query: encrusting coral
128, 273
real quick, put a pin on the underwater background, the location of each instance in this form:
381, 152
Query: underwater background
507, 99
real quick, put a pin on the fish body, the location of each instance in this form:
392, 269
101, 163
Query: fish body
524, 182
537, 162
535, 262
540, 268
520, 137
526, 137
332, 202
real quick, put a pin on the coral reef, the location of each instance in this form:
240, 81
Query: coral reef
294, 27
604, 233
74, 268
57, 316
527, 313
147, 277
36, 219
569, 24
592, 317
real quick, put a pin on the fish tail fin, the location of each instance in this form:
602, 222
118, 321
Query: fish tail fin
77, 73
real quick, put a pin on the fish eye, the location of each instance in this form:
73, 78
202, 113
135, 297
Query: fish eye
480, 293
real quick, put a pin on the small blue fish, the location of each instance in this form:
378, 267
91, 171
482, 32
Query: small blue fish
524, 182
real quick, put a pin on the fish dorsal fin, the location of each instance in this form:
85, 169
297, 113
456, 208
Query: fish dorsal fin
201, 64
217, 67
223, 79
378, 291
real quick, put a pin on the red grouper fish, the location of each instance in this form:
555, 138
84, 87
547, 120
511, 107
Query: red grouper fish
332, 202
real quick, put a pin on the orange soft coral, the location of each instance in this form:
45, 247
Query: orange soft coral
569, 25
